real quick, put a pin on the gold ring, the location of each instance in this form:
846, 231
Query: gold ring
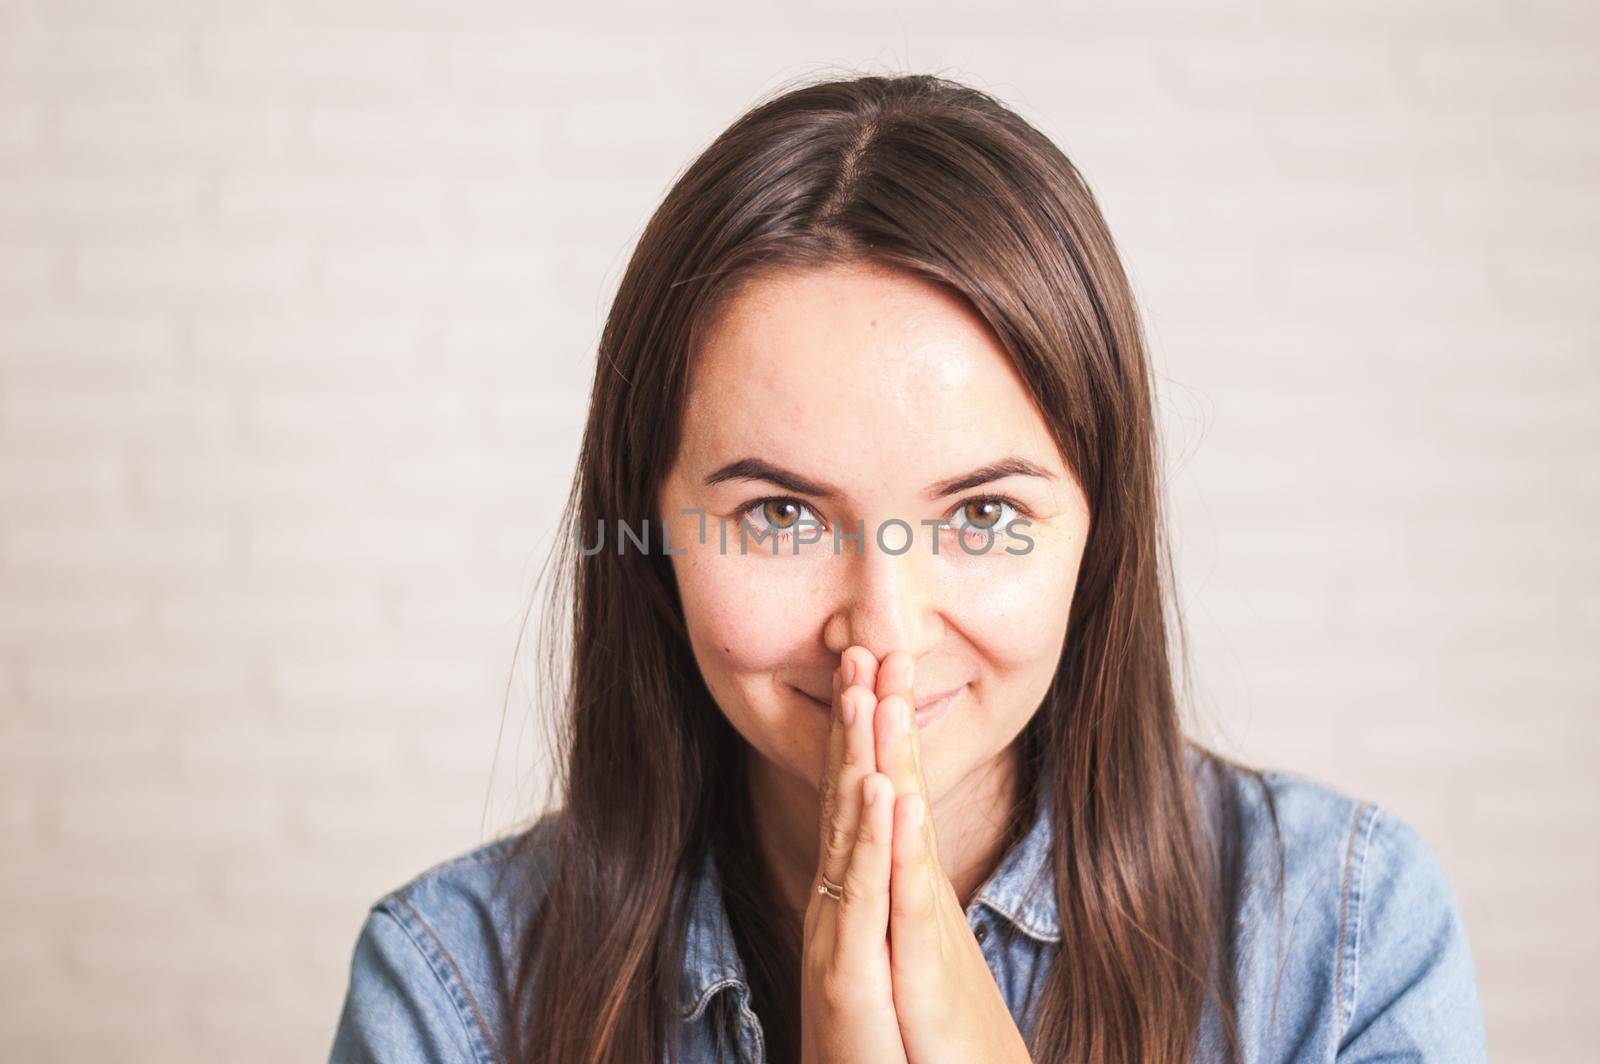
830, 888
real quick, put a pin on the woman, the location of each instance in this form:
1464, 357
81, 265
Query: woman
875, 755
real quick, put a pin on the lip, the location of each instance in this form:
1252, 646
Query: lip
823, 702
929, 711
935, 709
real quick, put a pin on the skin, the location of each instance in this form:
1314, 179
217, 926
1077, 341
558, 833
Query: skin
876, 387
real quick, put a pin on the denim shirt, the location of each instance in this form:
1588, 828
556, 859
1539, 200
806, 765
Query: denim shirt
1370, 961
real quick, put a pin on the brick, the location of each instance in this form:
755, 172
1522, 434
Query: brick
337, 686
1508, 77
133, 818
30, 619
368, 207
433, 278
553, 66
289, 757
150, 548
269, 621
20, 127
180, 135
1299, 75
301, 61
228, 484
309, 353
59, 487
62, 687
51, 63
108, 423
81, 351
347, 427
51, 206
181, 274
424, 138
29, 273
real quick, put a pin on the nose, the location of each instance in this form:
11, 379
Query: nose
887, 601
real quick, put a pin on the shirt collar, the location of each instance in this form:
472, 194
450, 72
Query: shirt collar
711, 961
1021, 890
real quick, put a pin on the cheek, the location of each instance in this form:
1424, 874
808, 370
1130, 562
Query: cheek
1015, 609
747, 621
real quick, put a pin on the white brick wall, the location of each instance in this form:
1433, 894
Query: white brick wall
297, 311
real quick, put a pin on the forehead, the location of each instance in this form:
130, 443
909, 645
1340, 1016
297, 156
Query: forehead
855, 364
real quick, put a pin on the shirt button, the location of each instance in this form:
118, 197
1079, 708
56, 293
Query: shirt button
982, 932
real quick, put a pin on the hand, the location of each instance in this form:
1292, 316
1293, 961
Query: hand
847, 1005
949, 1006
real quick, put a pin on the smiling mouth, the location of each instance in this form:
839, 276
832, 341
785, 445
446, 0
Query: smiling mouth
928, 710
927, 705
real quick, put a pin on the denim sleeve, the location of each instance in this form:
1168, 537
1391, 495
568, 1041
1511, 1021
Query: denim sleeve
398, 1008
1408, 988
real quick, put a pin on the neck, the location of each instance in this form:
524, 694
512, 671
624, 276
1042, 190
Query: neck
970, 823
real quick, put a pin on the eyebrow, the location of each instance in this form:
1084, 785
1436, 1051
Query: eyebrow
759, 469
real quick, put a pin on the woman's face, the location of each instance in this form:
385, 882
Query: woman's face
872, 392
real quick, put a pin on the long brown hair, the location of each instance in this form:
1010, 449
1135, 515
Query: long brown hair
921, 174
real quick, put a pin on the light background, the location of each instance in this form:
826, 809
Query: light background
298, 305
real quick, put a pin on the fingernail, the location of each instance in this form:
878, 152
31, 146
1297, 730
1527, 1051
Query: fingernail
847, 711
849, 672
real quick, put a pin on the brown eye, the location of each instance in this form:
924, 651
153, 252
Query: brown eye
982, 514
773, 507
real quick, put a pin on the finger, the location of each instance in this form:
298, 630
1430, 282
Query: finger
850, 761
892, 727
895, 676
913, 924
832, 754
866, 663
863, 919
897, 746
845, 762
929, 835
819, 910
